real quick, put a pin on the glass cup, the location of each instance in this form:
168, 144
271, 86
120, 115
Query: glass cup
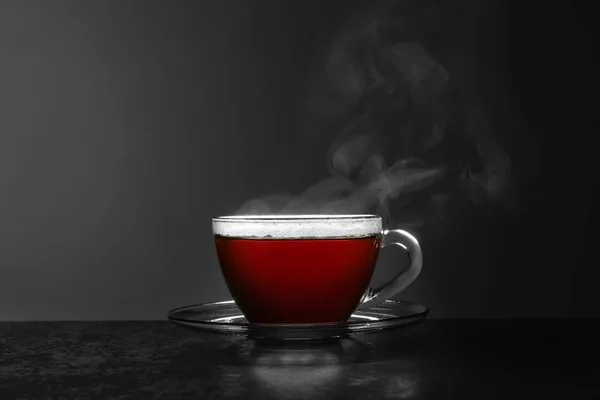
308, 269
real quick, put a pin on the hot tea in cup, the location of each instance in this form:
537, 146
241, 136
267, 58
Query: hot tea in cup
303, 269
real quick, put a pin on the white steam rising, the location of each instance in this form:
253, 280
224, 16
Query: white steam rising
391, 105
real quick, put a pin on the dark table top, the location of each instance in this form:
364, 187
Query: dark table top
445, 359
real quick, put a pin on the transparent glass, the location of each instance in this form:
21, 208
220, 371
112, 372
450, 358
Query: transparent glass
287, 269
225, 318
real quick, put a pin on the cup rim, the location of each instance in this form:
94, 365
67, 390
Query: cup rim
294, 217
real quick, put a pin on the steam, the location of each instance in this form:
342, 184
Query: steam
392, 108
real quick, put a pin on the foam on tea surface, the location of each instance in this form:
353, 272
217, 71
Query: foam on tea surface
297, 226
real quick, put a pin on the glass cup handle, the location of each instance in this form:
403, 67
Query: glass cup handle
401, 281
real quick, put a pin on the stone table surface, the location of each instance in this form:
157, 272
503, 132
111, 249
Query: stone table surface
435, 359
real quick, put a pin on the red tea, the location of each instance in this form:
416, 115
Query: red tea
297, 280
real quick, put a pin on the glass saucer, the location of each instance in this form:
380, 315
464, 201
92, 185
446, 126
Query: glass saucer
225, 317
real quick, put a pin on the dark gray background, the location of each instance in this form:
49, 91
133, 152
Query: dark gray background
126, 125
